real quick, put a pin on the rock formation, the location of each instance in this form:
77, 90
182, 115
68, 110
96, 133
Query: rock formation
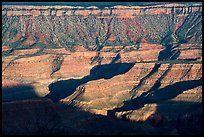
136, 63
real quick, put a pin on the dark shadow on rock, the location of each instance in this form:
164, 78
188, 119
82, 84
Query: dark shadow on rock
18, 92
157, 84
166, 54
117, 58
157, 96
43, 117
154, 70
192, 24
30, 117
64, 88
182, 116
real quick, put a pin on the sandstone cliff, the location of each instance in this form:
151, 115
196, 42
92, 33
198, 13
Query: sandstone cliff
136, 63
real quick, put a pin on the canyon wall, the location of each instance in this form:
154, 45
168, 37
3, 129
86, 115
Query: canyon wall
90, 28
136, 63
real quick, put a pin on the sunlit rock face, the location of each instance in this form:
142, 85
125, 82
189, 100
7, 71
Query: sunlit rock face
137, 63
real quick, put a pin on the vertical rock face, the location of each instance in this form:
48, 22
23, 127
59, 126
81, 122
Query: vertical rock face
129, 62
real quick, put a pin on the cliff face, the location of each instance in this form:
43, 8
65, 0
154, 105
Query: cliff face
90, 27
126, 62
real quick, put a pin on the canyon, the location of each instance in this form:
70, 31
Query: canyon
138, 68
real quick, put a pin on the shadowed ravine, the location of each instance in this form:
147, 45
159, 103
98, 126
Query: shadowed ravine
64, 88
18, 92
158, 95
167, 54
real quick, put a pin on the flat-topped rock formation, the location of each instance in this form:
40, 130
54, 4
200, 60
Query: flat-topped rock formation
117, 27
19, 10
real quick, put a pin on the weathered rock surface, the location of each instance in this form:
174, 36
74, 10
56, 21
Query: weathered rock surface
138, 63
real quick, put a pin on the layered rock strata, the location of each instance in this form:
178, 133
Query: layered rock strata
126, 62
